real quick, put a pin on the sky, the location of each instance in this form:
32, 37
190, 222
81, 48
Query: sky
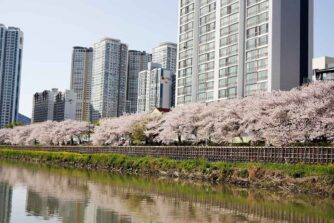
52, 27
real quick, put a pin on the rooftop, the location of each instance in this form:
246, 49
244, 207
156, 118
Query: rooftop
168, 43
110, 39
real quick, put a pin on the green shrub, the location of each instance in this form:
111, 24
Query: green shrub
244, 173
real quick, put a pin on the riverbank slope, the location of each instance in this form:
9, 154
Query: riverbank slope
294, 178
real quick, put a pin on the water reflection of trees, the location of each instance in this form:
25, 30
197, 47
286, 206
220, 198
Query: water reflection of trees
79, 198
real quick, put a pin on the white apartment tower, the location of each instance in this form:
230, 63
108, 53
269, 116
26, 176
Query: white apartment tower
138, 61
11, 47
233, 48
81, 80
110, 65
165, 54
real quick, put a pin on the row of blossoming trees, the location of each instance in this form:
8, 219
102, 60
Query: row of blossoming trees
280, 118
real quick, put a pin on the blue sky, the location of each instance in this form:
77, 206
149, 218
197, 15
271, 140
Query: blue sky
53, 27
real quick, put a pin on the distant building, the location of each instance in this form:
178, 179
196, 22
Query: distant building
65, 106
110, 65
143, 83
323, 68
155, 88
137, 62
54, 106
43, 105
166, 55
81, 81
11, 47
23, 119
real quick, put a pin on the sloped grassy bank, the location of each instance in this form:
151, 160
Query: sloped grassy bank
295, 178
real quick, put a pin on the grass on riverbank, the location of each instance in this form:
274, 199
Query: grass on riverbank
151, 164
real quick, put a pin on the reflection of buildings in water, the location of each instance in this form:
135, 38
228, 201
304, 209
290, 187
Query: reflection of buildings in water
83, 200
154, 207
94, 214
45, 183
90, 213
72, 212
6, 193
42, 207
48, 207
106, 216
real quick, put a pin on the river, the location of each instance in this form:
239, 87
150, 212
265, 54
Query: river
39, 194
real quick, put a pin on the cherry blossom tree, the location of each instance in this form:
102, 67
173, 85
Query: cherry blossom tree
178, 125
116, 131
281, 118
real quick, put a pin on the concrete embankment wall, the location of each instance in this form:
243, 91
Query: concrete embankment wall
308, 155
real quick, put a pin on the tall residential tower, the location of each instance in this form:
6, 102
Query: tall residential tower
165, 54
81, 81
137, 62
110, 65
11, 47
230, 48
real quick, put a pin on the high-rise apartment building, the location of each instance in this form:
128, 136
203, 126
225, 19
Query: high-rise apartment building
231, 48
165, 54
155, 88
110, 65
81, 81
11, 47
54, 106
137, 62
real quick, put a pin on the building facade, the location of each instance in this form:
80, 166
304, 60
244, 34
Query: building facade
155, 88
323, 68
59, 107
43, 105
165, 54
65, 106
233, 48
81, 81
23, 119
11, 47
54, 106
137, 62
110, 65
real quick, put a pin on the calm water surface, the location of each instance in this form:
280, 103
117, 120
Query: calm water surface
36, 194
